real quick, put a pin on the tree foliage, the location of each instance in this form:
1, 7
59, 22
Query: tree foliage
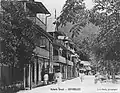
17, 33
74, 12
109, 23
106, 15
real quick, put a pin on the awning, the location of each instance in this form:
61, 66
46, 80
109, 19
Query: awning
85, 63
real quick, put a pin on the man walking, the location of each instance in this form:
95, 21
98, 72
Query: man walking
81, 74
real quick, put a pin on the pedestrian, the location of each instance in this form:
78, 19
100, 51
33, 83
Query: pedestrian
58, 77
81, 74
46, 77
108, 77
97, 77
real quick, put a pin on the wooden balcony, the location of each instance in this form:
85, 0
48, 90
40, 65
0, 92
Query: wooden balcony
41, 52
59, 59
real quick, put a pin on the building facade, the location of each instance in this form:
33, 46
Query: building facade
33, 73
64, 56
53, 50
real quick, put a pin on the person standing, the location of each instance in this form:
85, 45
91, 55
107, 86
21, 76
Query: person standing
97, 77
46, 78
58, 77
81, 74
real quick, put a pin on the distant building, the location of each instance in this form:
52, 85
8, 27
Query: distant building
87, 66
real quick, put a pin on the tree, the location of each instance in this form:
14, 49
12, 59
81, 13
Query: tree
105, 15
18, 34
74, 12
109, 24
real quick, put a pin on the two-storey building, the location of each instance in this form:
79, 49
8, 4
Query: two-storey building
38, 14
64, 56
42, 54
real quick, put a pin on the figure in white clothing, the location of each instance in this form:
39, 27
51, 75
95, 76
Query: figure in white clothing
58, 77
81, 75
46, 78
97, 77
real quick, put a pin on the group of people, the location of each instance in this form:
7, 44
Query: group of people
57, 77
100, 78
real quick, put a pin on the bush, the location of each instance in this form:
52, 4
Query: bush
11, 88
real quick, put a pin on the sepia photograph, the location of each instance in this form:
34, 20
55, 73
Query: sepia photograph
59, 46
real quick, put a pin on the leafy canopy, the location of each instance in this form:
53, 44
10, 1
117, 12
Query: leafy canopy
106, 15
18, 34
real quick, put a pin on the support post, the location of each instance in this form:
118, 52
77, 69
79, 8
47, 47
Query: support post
35, 73
30, 77
24, 79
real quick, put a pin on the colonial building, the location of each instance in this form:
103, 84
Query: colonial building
64, 57
42, 54
33, 74
53, 50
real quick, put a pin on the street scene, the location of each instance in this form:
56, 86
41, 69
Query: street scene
66, 46
75, 86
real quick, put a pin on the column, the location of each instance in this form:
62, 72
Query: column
66, 71
60, 67
24, 79
71, 71
39, 78
29, 75
35, 72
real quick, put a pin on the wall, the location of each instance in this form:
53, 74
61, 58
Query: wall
8, 75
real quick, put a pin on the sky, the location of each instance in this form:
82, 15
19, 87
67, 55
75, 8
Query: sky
51, 5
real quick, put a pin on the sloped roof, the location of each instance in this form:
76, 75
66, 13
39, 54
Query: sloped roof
37, 7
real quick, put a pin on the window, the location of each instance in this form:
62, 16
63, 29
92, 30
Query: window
44, 43
64, 54
41, 17
55, 52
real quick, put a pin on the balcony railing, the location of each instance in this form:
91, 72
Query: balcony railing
41, 52
38, 22
59, 59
